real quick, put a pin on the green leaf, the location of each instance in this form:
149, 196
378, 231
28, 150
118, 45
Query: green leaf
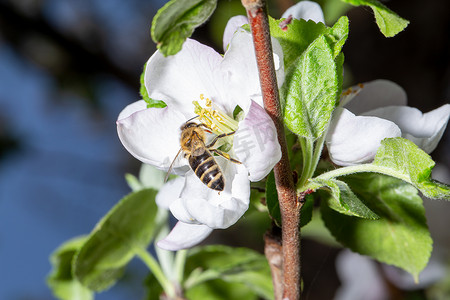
307, 210
220, 290
294, 152
342, 199
238, 113
151, 177
311, 91
317, 231
218, 21
340, 71
298, 35
230, 265
176, 21
400, 237
337, 35
333, 10
143, 90
153, 288
412, 164
257, 199
60, 280
128, 227
273, 206
388, 21
134, 183
314, 82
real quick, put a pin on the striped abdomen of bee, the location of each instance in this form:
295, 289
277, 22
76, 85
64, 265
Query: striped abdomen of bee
199, 155
207, 169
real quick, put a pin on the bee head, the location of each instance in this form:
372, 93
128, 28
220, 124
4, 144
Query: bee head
189, 125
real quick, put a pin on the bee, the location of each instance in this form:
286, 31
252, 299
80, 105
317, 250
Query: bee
193, 145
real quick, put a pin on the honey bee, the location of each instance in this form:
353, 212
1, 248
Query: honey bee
201, 161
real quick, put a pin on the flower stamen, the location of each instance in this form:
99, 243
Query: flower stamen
213, 117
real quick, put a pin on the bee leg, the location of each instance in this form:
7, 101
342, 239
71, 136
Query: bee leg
171, 165
219, 137
225, 155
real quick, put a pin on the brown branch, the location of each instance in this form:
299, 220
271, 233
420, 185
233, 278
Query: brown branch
289, 204
274, 253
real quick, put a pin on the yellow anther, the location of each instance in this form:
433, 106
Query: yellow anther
216, 120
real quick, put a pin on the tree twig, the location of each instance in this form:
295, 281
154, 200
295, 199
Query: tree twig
274, 253
289, 204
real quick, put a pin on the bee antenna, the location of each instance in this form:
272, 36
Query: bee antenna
193, 118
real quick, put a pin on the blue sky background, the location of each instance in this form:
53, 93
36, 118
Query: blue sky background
68, 167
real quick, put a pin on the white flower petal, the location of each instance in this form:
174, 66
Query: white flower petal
151, 135
132, 108
232, 26
184, 236
182, 77
240, 71
372, 95
425, 130
278, 61
222, 211
359, 278
169, 192
178, 208
355, 139
200, 204
306, 10
240, 187
256, 143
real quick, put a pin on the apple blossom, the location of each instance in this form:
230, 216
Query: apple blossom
306, 10
373, 111
198, 81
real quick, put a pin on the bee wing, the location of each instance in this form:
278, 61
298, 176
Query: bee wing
171, 165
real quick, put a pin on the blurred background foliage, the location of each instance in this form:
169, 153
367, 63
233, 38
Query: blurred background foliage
68, 67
